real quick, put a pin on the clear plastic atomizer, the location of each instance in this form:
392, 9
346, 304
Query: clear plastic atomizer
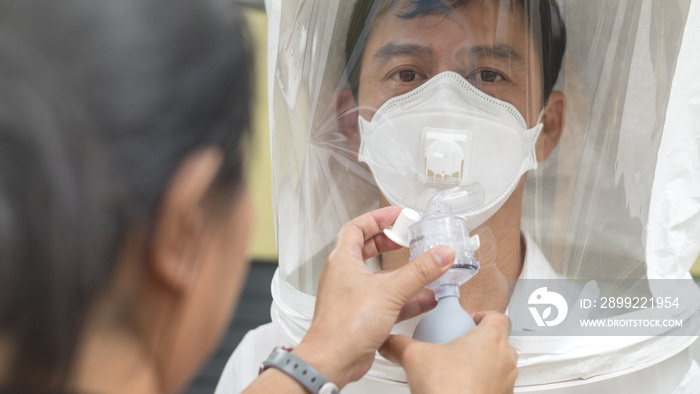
440, 226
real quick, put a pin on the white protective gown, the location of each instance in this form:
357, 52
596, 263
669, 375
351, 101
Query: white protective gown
242, 368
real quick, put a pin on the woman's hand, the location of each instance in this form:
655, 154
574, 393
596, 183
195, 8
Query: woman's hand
481, 361
355, 308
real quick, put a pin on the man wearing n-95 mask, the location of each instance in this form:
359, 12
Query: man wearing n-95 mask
459, 93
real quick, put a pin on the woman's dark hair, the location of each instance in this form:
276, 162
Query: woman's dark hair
100, 102
545, 19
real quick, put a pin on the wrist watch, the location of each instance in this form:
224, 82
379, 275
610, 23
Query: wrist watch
281, 358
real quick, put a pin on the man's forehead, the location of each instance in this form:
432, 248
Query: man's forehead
478, 28
409, 9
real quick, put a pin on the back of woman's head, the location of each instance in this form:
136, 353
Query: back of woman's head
100, 102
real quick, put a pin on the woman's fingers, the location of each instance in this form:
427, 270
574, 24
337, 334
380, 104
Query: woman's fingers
420, 303
395, 348
429, 266
493, 319
353, 237
380, 243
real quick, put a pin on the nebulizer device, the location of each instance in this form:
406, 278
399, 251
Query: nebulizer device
441, 226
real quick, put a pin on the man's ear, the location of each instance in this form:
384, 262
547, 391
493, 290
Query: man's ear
347, 119
553, 120
180, 223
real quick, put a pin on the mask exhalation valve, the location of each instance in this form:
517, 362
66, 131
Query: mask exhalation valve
444, 155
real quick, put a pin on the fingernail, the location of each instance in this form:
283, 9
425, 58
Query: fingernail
443, 255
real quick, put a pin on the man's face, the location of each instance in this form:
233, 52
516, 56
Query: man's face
489, 46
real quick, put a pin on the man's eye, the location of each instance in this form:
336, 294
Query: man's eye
407, 75
489, 76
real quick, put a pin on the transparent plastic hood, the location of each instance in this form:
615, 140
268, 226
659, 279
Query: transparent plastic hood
598, 206
589, 158
615, 200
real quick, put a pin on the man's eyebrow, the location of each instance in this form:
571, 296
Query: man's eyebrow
499, 51
391, 50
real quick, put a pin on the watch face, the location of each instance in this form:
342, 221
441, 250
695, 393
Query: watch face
329, 388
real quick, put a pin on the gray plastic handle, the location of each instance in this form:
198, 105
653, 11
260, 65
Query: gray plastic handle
447, 322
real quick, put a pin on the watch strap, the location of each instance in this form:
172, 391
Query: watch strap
299, 370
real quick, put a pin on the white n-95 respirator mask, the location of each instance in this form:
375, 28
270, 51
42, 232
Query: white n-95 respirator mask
443, 134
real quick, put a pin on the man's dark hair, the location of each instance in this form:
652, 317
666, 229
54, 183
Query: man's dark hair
101, 101
550, 32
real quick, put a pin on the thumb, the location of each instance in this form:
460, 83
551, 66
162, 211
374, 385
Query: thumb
429, 266
394, 348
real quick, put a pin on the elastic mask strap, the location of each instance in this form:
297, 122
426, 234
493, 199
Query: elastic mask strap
362, 125
534, 132
539, 117
532, 135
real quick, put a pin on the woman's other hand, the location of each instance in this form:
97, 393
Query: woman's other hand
482, 361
